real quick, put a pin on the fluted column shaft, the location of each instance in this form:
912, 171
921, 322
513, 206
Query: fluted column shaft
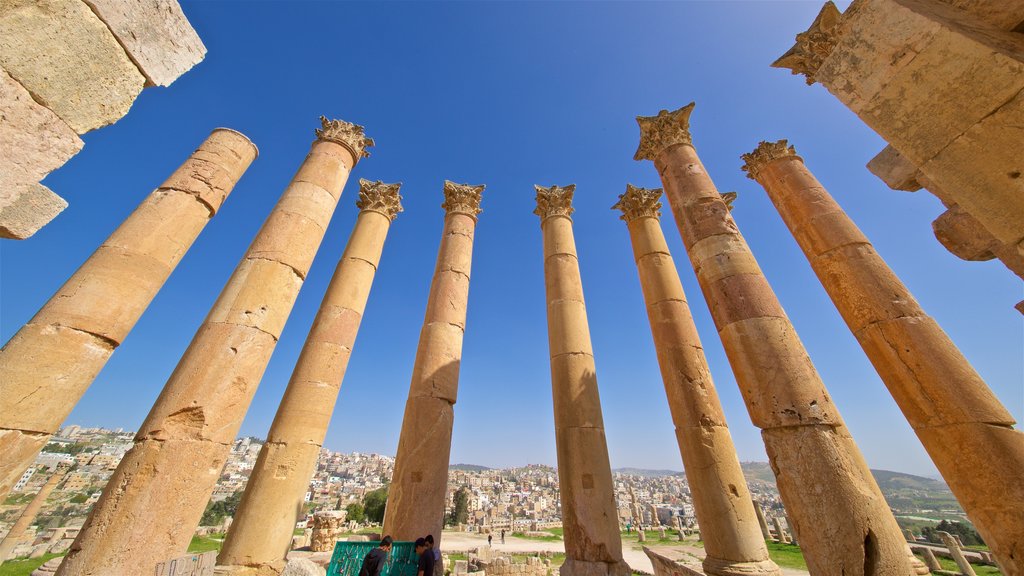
155, 498
419, 484
963, 426
593, 545
261, 533
28, 515
721, 500
844, 525
51, 361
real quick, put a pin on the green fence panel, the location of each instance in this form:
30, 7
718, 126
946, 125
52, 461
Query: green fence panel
348, 557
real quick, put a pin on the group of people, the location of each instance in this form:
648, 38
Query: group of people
428, 554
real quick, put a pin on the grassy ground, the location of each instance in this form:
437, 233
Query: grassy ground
24, 567
551, 538
978, 569
206, 543
787, 555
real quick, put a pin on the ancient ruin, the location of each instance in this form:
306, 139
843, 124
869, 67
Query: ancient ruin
262, 530
592, 544
419, 484
56, 356
156, 497
720, 496
961, 424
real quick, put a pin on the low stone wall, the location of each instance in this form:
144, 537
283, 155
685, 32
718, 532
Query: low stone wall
68, 67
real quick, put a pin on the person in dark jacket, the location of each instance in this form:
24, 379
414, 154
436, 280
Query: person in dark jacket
426, 558
374, 562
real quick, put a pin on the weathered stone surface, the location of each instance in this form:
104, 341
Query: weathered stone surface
35, 140
416, 499
832, 494
181, 446
156, 35
591, 531
963, 235
273, 496
68, 59
720, 495
55, 357
27, 207
303, 567
327, 527
947, 403
895, 170
999, 13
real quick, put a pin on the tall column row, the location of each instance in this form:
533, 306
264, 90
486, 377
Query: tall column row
840, 516
50, 362
155, 498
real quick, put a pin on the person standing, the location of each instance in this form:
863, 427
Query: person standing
502, 535
436, 551
426, 558
489, 537
375, 560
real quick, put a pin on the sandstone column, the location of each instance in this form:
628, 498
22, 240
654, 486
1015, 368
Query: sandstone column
262, 530
52, 360
729, 525
155, 498
593, 546
419, 484
966, 430
29, 514
762, 522
842, 521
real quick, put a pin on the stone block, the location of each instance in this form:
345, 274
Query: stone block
568, 331
722, 255
646, 237
562, 279
16, 446
68, 59
26, 207
162, 227
156, 35
895, 170
350, 287
573, 382
558, 237
963, 235
260, 294
34, 139
327, 165
289, 238
438, 358
776, 377
660, 279
999, 13
742, 297
367, 239
449, 297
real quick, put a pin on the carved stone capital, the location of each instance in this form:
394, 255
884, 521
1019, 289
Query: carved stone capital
639, 203
813, 46
554, 201
462, 198
666, 129
349, 135
380, 197
765, 153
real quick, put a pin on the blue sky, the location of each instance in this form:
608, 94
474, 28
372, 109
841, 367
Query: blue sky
508, 95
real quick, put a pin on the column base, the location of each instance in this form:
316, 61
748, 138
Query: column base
721, 567
573, 567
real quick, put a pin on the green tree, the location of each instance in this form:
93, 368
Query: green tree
374, 503
216, 511
355, 512
460, 507
968, 535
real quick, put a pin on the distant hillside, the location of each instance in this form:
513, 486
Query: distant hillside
899, 481
646, 473
758, 471
468, 467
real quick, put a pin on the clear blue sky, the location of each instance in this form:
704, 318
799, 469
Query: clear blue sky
508, 95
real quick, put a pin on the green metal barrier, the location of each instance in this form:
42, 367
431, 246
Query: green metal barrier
348, 557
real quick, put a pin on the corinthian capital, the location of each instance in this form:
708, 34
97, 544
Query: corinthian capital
639, 203
379, 197
765, 153
462, 198
666, 129
554, 201
349, 135
814, 45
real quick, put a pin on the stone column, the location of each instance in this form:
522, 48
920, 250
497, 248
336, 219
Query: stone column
958, 556
419, 483
155, 498
29, 514
961, 423
50, 363
842, 520
263, 526
779, 532
593, 546
762, 522
721, 499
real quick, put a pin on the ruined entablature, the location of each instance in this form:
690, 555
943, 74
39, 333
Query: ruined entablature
813, 46
666, 129
554, 201
462, 198
349, 135
639, 203
380, 197
765, 153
